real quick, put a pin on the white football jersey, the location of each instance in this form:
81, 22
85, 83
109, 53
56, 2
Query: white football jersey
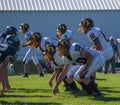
48, 41
57, 61
107, 50
76, 56
97, 33
27, 35
69, 36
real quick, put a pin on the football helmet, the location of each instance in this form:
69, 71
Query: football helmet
35, 39
63, 46
49, 52
13, 41
85, 25
62, 28
11, 30
25, 26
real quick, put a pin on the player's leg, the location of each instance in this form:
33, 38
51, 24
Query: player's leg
107, 63
4, 76
79, 80
37, 64
113, 65
26, 59
2, 81
97, 63
70, 80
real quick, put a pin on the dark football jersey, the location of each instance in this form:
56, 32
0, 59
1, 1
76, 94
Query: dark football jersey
7, 51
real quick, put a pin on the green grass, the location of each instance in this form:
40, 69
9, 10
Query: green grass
35, 91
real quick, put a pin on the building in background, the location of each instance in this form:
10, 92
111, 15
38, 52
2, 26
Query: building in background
45, 15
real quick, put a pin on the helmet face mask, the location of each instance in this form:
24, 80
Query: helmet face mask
47, 57
22, 30
34, 43
62, 51
81, 29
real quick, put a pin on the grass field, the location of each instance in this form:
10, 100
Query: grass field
35, 91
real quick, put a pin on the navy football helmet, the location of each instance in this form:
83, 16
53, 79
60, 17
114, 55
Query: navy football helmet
63, 46
62, 28
13, 41
49, 52
85, 25
25, 26
50, 49
87, 22
63, 43
35, 39
11, 30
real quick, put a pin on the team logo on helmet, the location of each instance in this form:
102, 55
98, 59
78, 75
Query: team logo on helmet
36, 36
87, 22
63, 42
50, 49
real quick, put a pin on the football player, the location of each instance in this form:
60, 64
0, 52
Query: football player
64, 33
91, 60
31, 53
42, 42
8, 51
10, 30
36, 40
52, 56
96, 37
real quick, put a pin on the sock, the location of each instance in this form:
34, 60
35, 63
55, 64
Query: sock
93, 87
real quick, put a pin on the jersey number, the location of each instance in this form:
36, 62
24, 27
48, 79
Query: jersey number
78, 48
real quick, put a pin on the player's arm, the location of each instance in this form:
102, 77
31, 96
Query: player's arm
23, 44
52, 78
5, 73
97, 45
88, 64
96, 41
60, 78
